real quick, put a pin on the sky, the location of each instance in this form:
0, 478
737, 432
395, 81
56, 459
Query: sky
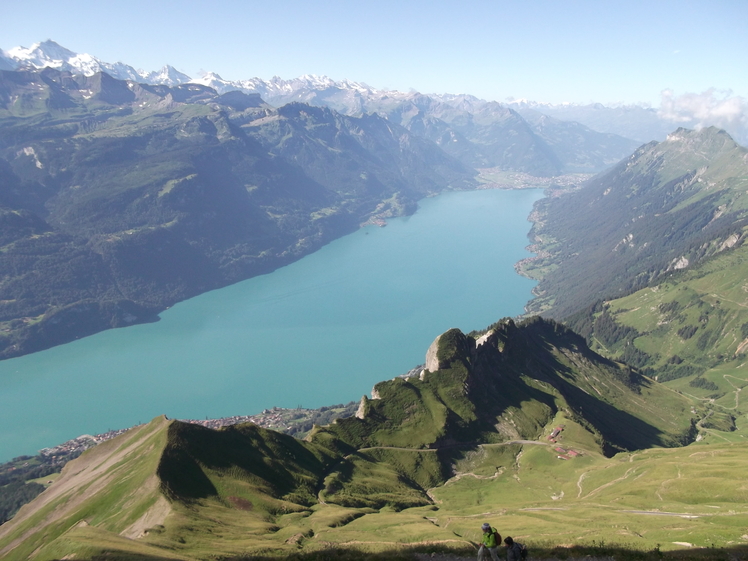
548, 51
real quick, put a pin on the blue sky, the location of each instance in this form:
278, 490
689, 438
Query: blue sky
555, 51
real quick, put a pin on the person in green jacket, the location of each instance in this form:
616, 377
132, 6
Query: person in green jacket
490, 543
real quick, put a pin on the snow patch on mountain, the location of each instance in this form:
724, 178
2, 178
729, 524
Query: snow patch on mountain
52, 55
635, 121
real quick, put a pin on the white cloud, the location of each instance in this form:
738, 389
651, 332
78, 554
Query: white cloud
710, 108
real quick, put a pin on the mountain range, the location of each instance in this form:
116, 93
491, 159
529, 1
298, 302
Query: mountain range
640, 123
49, 54
479, 133
632, 431
522, 422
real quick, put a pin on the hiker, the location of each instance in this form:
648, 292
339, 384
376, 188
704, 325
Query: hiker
513, 550
490, 542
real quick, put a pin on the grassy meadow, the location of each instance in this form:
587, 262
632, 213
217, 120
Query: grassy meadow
639, 505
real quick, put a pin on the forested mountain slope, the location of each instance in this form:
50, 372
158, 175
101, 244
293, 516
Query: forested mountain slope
666, 208
119, 199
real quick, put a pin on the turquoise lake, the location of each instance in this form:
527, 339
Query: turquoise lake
320, 331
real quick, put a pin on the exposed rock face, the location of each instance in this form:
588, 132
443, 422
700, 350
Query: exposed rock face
682, 263
432, 362
730, 242
484, 338
361, 411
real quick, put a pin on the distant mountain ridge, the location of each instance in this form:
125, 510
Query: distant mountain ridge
49, 54
478, 133
638, 122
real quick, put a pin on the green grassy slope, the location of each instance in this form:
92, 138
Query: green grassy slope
112, 487
421, 462
696, 315
664, 498
690, 332
510, 386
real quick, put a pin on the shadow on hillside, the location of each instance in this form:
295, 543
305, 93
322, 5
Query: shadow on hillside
619, 429
624, 553
423, 552
574, 553
112, 555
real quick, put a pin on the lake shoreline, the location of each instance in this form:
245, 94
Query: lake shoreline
357, 311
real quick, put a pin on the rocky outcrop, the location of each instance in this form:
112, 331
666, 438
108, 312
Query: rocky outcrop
362, 408
432, 362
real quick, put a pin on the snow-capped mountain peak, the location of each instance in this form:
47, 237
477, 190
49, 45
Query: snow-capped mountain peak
51, 54
635, 121
41, 55
168, 76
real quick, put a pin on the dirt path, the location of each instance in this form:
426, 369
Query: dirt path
579, 483
737, 389
604, 486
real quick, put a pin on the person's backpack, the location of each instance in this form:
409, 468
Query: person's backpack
522, 550
497, 536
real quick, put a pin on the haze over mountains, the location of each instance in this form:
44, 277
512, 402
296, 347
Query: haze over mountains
637, 122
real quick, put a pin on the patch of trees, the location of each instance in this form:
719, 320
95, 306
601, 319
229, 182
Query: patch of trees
583, 321
14, 495
673, 372
687, 331
703, 384
596, 322
22, 473
744, 330
15, 486
610, 332
636, 357
670, 308
707, 339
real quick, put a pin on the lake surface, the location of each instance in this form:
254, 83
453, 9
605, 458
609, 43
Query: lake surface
320, 331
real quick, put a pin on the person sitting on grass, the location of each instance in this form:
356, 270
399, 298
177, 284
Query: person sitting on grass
513, 550
490, 542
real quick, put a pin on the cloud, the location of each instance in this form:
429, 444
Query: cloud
710, 108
